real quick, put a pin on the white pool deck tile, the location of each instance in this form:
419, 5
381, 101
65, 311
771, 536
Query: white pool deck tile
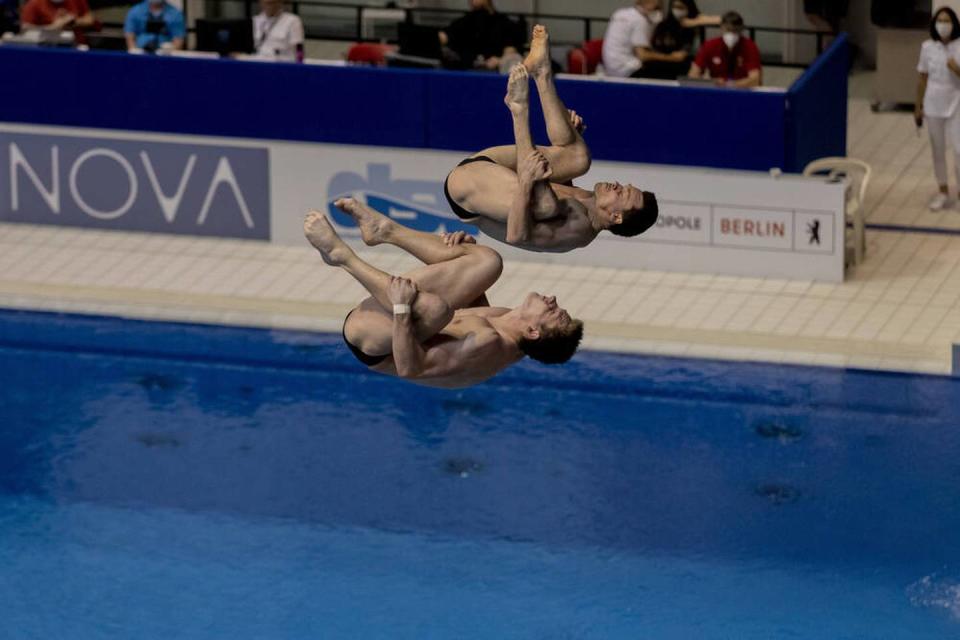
899, 310
903, 180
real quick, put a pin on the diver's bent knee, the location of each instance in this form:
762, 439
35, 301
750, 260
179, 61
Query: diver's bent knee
582, 158
491, 261
370, 332
434, 308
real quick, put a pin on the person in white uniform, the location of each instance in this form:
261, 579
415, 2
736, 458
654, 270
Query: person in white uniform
938, 96
277, 34
627, 42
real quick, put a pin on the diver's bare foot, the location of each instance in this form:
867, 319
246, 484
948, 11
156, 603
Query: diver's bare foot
518, 90
538, 60
576, 121
321, 235
374, 226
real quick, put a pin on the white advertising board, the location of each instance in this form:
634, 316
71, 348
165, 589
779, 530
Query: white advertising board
711, 221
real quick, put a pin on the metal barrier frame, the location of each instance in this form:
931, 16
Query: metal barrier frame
249, 10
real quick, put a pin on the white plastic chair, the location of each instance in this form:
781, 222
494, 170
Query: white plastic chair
857, 173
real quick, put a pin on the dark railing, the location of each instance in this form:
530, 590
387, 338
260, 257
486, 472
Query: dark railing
587, 23
354, 32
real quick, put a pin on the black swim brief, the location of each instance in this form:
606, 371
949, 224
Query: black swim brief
462, 213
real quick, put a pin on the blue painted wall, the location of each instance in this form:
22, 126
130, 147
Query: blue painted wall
414, 108
213, 97
626, 122
817, 108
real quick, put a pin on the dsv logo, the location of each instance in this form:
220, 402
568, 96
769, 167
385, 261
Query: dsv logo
418, 204
135, 185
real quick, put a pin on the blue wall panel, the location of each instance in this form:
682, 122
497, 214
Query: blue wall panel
626, 122
213, 97
681, 125
817, 109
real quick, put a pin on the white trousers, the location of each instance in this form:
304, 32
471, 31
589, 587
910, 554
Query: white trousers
944, 131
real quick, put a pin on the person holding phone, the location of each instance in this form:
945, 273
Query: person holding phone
152, 24
938, 95
628, 41
676, 32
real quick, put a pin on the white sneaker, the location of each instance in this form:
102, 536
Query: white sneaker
939, 202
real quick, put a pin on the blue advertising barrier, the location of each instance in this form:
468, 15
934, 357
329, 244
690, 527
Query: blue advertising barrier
626, 122
817, 108
213, 97
629, 122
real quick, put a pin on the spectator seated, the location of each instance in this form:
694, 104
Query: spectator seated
152, 24
59, 15
481, 38
628, 41
731, 60
8, 16
671, 37
277, 34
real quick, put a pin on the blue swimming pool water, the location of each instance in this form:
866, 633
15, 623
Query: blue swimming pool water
176, 481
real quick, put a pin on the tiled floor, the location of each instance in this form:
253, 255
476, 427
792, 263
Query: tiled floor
899, 310
903, 180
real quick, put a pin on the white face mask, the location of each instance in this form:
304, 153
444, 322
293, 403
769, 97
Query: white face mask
679, 14
945, 29
655, 16
731, 39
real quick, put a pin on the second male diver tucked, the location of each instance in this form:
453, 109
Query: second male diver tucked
442, 331
524, 196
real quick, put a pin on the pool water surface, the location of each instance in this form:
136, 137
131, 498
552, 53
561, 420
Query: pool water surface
182, 481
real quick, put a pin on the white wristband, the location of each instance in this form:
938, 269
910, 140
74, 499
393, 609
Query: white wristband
399, 309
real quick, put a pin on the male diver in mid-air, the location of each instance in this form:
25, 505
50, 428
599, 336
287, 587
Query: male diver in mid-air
434, 326
534, 205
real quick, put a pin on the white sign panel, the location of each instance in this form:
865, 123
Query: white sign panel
711, 221
731, 223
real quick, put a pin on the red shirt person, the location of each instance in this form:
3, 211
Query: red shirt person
732, 59
56, 15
